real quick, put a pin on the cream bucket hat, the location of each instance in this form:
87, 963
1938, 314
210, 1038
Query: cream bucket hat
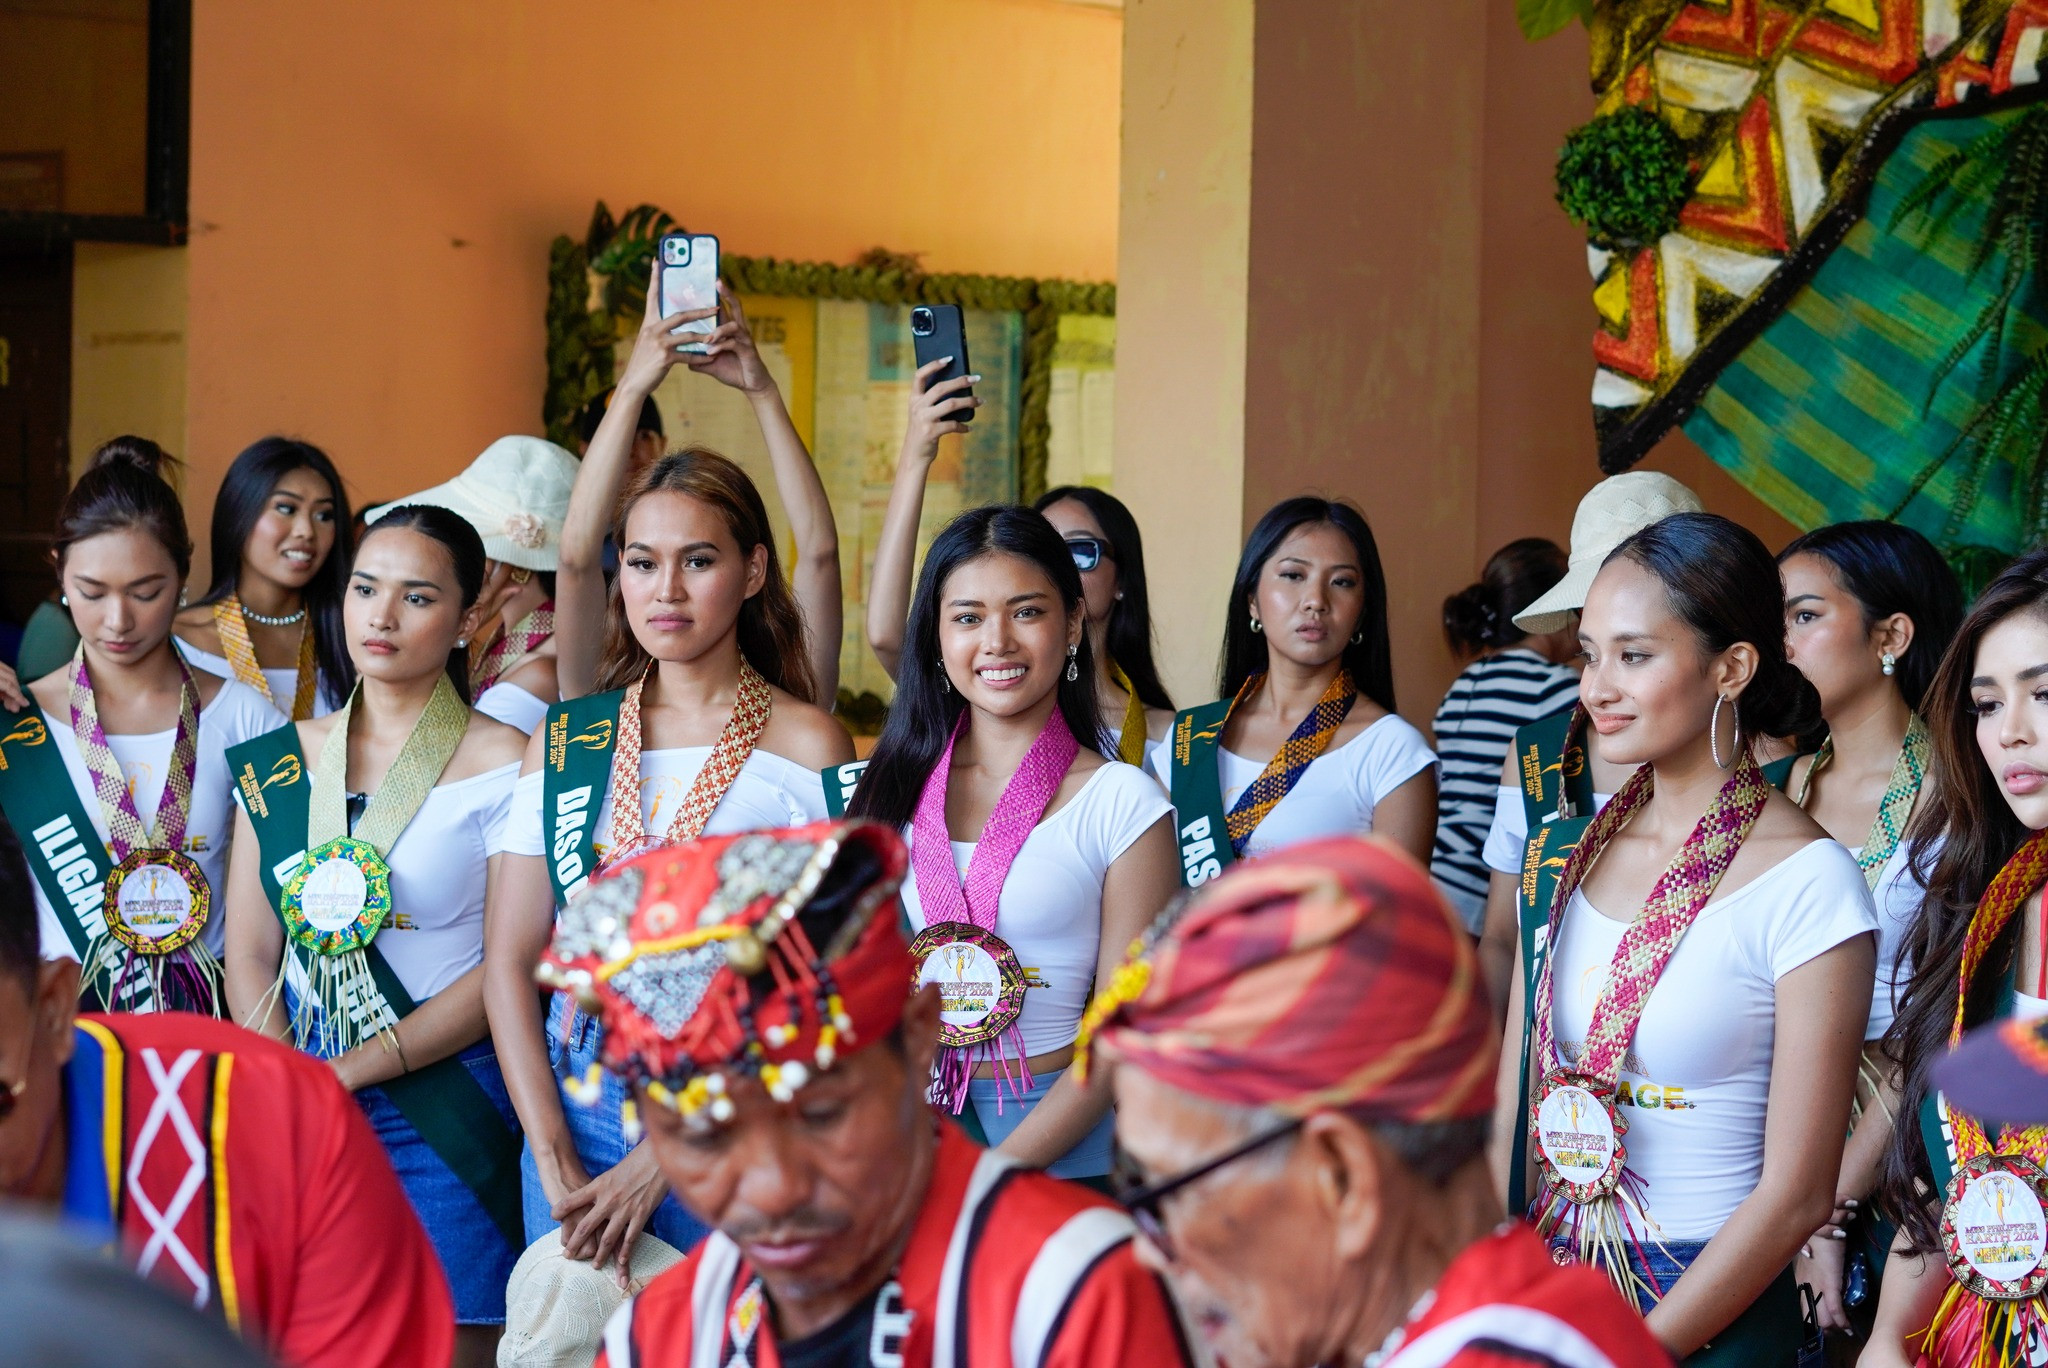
1613, 511
516, 496
556, 1307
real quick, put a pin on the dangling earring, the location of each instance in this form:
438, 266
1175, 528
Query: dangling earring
1257, 626
1891, 663
945, 684
181, 598
1714, 733
1073, 667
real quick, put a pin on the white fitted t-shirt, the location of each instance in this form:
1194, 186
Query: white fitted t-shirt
284, 684
1336, 794
236, 714
439, 867
769, 791
513, 706
1897, 896
1050, 911
1698, 1071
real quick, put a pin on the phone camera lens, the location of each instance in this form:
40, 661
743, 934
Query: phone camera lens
921, 323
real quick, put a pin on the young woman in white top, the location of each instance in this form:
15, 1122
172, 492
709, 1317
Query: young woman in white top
281, 552
1305, 658
704, 637
1052, 851
729, 357
1977, 953
412, 599
122, 555
1102, 537
1869, 609
516, 495
1764, 996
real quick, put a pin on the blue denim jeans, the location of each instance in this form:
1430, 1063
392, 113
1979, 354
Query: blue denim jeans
1000, 1114
1767, 1335
600, 1140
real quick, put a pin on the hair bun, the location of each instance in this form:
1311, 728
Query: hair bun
134, 453
1471, 619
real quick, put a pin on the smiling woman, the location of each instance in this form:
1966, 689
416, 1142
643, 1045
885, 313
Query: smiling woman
272, 617
1027, 846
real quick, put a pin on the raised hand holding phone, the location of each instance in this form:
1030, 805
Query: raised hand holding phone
729, 355
686, 265
939, 407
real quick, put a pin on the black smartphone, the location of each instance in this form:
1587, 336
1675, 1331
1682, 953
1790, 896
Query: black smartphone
938, 330
689, 280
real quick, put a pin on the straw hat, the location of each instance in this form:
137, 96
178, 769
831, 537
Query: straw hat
556, 1307
1613, 511
515, 495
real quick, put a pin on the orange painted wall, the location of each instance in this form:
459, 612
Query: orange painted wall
374, 184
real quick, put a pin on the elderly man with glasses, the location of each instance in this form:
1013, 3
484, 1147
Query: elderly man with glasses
1304, 1066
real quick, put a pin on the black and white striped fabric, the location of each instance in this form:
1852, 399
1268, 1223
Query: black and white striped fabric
1487, 703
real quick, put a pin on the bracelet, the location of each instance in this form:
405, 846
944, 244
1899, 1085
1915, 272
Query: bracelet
390, 1041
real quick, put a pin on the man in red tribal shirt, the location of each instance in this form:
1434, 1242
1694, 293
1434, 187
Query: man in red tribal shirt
755, 991
1304, 1066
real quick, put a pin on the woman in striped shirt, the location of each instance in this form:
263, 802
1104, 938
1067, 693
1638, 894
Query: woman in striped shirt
1513, 679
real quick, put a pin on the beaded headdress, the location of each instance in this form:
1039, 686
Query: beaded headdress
767, 955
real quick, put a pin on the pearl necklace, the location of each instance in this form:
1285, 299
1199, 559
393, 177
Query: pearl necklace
289, 620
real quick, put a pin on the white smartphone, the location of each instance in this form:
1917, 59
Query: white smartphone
689, 280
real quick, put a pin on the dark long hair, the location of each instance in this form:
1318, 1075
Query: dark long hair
924, 712
772, 632
1481, 616
465, 550
1890, 568
1128, 634
124, 488
244, 492
1721, 581
1370, 659
1961, 837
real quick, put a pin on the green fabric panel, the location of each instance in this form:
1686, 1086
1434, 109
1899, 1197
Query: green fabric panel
1825, 416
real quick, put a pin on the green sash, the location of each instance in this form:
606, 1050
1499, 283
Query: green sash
574, 777
1202, 828
442, 1100
65, 851
839, 781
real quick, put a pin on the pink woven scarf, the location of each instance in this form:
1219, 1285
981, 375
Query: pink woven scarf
941, 894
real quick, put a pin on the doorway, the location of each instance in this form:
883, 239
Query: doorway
35, 418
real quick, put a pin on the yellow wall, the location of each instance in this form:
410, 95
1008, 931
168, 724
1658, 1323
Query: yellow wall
1183, 271
128, 348
374, 184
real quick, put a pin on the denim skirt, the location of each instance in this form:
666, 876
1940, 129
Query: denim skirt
1767, 1335
599, 1135
473, 1251
1000, 1114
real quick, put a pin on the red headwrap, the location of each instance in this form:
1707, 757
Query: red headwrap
1330, 974
696, 965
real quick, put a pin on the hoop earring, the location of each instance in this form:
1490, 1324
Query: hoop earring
1714, 733
1257, 626
945, 684
1073, 667
1891, 663
1358, 637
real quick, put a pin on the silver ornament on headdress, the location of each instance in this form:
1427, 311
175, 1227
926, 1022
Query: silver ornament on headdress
595, 922
752, 868
668, 988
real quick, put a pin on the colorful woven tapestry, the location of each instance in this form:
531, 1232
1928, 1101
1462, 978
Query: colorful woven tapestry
1786, 109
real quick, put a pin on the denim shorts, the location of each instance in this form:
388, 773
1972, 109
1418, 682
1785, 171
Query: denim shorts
1000, 1114
599, 1137
473, 1251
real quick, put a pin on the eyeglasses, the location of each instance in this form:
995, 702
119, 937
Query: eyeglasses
1087, 552
1143, 1200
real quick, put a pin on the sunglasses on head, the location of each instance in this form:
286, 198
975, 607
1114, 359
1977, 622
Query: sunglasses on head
1087, 552
1143, 1200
